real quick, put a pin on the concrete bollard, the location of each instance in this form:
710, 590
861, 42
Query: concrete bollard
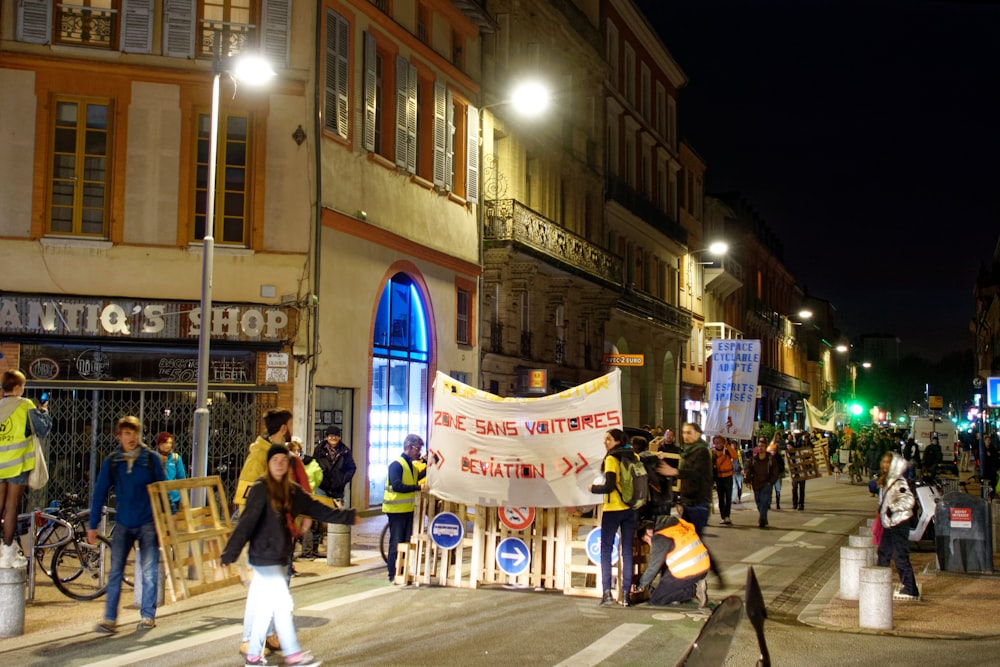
338, 545
870, 523
852, 559
12, 581
860, 541
865, 531
875, 598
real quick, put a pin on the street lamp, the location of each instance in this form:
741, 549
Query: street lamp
252, 70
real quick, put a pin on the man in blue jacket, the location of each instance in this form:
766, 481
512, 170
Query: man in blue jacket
129, 470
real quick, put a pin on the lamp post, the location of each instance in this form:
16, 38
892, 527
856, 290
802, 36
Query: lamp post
251, 70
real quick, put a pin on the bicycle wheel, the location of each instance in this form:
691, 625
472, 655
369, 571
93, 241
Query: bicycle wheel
81, 570
383, 543
50, 534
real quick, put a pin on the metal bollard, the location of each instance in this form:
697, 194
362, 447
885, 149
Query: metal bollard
12, 581
338, 544
875, 598
852, 559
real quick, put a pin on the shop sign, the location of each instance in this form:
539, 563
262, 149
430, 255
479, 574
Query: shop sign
141, 319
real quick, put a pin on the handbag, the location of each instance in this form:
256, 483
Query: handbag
877, 530
39, 475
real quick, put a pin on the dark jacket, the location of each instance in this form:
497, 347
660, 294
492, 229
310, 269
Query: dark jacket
695, 474
760, 473
338, 468
268, 532
129, 479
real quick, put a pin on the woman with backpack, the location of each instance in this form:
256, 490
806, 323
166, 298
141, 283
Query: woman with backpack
616, 516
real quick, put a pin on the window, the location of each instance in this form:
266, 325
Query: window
87, 23
464, 315
406, 115
231, 223
423, 23
382, 5
660, 120
81, 143
630, 74
672, 123
645, 93
335, 106
612, 54
231, 21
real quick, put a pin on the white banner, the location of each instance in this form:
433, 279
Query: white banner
732, 391
531, 452
817, 420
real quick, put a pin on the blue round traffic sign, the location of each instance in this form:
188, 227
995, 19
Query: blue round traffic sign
513, 556
594, 547
447, 530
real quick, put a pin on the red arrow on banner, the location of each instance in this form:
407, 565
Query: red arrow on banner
584, 464
569, 466
438, 459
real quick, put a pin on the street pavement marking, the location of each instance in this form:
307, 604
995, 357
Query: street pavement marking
791, 535
351, 599
811, 523
606, 646
761, 555
225, 632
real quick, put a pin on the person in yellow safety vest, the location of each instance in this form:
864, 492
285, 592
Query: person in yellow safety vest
678, 555
404, 479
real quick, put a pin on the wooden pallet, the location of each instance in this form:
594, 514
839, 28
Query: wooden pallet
801, 463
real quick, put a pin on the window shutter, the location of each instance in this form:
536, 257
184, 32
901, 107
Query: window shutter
178, 28
411, 118
276, 20
402, 136
137, 26
34, 21
472, 154
449, 144
337, 43
440, 134
370, 83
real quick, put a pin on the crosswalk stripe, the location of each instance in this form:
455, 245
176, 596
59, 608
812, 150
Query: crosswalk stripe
605, 647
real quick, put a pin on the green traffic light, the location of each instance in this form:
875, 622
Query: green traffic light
856, 409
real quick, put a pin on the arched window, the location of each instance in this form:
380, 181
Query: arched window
400, 355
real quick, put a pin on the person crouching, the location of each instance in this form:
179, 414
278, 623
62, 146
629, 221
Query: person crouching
679, 557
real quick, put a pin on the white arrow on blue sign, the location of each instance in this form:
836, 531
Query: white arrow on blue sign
447, 530
512, 556
993, 392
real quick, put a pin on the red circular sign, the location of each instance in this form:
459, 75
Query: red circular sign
517, 518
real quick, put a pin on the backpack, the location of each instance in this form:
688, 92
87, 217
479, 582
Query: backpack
634, 481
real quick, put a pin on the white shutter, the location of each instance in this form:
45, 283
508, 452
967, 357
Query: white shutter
402, 136
449, 143
137, 26
179, 28
370, 99
337, 43
440, 134
34, 21
276, 22
411, 118
472, 154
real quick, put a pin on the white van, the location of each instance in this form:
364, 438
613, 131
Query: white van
925, 427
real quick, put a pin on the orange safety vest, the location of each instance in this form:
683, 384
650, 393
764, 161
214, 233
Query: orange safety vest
724, 460
689, 557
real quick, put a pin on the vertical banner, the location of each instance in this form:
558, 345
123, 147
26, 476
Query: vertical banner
732, 390
496, 451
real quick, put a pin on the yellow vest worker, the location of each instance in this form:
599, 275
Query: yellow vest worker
681, 559
403, 480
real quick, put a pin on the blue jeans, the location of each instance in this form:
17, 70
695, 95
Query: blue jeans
763, 499
269, 600
697, 516
400, 530
611, 522
149, 568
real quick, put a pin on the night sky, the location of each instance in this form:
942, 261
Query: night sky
866, 134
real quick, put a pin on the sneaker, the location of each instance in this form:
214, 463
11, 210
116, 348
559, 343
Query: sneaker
701, 593
905, 597
305, 659
10, 556
106, 628
608, 600
261, 660
146, 624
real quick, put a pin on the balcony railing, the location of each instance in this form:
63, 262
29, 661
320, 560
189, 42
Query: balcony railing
639, 205
496, 337
85, 26
666, 315
233, 38
525, 344
508, 220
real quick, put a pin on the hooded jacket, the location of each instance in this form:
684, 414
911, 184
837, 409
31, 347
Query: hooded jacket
897, 501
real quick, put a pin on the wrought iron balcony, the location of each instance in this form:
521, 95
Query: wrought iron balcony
640, 206
234, 38
85, 26
510, 221
660, 312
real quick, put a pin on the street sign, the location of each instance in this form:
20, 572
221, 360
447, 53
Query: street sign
513, 556
517, 518
594, 547
993, 392
624, 359
447, 530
